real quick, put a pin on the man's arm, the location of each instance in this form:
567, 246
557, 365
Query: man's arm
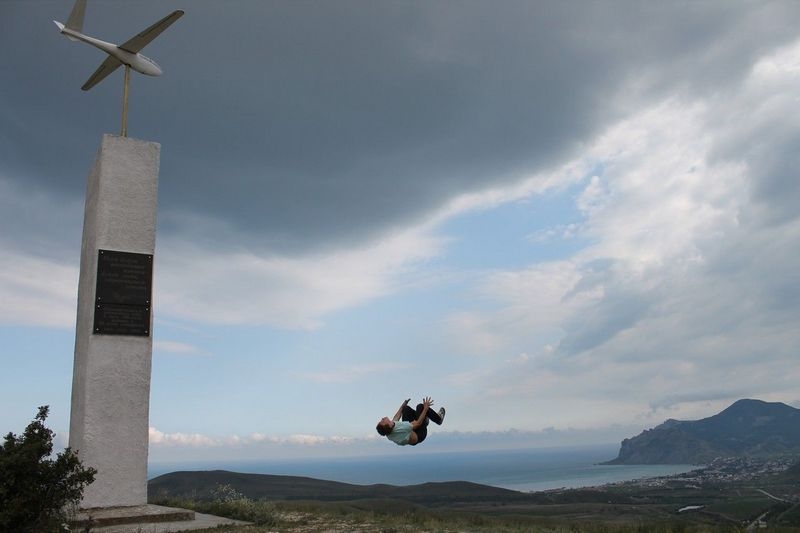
426, 403
399, 412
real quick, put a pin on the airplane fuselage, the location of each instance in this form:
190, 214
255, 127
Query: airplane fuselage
138, 62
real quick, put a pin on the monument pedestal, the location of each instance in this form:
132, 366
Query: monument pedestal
139, 514
109, 421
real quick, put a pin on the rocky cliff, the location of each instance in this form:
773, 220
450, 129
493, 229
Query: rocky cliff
746, 428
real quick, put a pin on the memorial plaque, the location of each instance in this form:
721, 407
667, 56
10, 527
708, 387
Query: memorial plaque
120, 319
124, 277
124, 292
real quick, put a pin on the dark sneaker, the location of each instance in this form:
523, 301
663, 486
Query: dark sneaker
441, 414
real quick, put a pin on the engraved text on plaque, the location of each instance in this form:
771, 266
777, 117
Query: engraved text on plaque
124, 293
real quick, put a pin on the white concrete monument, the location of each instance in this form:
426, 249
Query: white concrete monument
113, 342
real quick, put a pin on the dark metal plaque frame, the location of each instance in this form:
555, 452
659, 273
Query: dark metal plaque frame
124, 293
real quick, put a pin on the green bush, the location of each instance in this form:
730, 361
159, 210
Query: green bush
231, 503
37, 491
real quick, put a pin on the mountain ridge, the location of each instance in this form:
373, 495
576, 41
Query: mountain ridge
199, 485
747, 427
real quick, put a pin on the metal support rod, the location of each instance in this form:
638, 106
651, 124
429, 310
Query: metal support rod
124, 132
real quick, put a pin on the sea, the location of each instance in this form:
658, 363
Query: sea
528, 470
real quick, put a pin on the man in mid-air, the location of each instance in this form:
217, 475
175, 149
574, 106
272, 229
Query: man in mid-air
413, 428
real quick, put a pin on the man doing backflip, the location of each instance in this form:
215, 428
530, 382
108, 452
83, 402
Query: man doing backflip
413, 428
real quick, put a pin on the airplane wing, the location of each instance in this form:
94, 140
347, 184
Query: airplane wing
107, 67
134, 44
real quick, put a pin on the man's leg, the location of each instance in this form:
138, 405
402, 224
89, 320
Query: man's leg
432, 415
418, 412
421, 431
409, 415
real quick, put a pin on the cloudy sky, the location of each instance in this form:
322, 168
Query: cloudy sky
564, 221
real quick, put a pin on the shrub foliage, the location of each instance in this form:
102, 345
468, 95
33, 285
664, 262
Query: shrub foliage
36, 490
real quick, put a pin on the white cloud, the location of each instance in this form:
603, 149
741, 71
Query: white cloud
307, 440
159, 438
542, 182
247, 288
662, 197
196, 440
260, 437
533, 304
562, 231
353, 373
175, 347
36, 291
778, 70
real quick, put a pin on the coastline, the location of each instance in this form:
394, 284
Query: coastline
519, 470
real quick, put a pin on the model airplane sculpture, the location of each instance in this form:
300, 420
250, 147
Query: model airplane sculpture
118, 55
124, 54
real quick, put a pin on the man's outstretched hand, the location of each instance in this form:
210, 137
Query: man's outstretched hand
427, 402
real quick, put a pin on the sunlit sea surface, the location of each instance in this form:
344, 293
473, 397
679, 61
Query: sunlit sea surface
522, 470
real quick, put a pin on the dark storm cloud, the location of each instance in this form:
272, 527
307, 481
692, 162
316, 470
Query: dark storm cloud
296, 124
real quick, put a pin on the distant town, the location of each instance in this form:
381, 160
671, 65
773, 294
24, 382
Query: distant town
722, 470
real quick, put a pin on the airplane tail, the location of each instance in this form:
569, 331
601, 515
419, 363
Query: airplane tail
75, 20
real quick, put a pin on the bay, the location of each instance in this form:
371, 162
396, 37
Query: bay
521, 470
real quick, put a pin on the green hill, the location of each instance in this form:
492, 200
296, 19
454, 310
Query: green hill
199, 486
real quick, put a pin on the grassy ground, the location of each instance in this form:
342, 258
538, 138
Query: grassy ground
299, 517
